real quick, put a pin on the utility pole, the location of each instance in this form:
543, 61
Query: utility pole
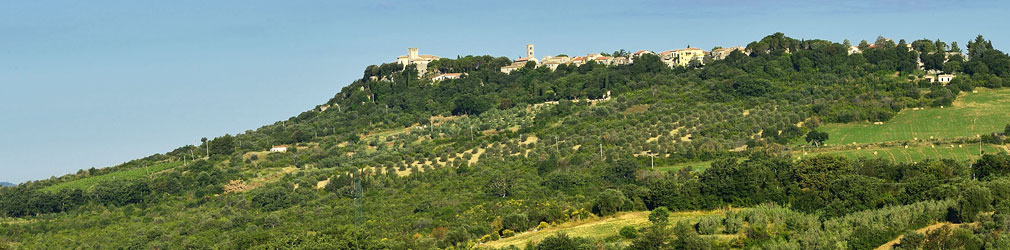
556, 147
652, 160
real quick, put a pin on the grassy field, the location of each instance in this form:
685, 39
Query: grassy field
913, 154
599, 228
972, 114
129, 174
697, 166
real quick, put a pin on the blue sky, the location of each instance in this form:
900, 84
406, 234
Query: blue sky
96, 83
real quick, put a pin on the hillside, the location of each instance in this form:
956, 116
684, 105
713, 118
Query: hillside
6, 184
397, 160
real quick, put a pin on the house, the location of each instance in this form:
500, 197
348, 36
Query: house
449, 76
945, 78
521, 62
722, 53
421, 61
620, 60
641, 53
942, 78
600, 59
854, 50
579, 60
279, 149
667, 57
683, 57
552, 62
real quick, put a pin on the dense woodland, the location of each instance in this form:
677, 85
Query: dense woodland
416, 164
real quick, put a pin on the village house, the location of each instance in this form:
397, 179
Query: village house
579, 61
448, 76
279, 149
641, 53
620, 60
601, 59
421, 61
521, 62
552, 62
945, 78
683, 57
941, 78
668, 58
722, 53
854, 50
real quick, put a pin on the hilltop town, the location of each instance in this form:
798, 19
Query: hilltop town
685, 57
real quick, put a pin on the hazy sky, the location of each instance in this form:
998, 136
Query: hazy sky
96, 83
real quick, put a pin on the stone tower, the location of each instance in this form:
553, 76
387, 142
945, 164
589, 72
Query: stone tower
411, 54
529, 51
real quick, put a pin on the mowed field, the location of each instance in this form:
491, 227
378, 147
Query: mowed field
599, 228
129, 174
986, 111
913, 154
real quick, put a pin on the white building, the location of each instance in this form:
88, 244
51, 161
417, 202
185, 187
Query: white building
449, 76
279, 149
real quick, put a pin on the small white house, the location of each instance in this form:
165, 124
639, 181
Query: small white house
448, 76
279, 149
945, 78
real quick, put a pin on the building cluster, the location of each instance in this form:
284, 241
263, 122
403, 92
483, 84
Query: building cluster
672, 58
421, 61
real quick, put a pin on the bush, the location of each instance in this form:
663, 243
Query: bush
629, 232
518, 222
507, 233
733, 222
709, 225
659, 216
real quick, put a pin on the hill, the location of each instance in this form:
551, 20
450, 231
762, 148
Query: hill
6, 184
397, 160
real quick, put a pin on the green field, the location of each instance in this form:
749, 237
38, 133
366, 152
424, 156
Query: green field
914, 154
696, 166
129, 174
986, 111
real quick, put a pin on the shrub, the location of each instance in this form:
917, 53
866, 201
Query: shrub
709, 225
508, 233
733, 223
629, 232
659, 216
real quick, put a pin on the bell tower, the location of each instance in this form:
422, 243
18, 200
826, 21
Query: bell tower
412, 54
529, 51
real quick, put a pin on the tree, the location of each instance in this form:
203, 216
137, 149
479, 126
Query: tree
659, 216
974, 200
609, 202
990, 166
1006, 131
816, 137
224, 145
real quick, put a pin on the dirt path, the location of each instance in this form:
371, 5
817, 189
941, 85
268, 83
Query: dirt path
892, 243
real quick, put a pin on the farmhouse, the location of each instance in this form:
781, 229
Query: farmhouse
279, 149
